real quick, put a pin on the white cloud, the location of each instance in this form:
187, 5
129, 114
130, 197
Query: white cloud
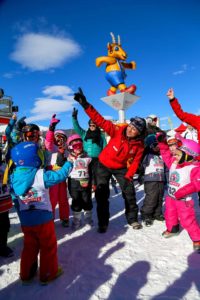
182, 70
8, 75
45, 107
11, 74
39, 52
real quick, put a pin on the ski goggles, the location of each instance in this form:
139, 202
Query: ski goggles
32, 134
76, 146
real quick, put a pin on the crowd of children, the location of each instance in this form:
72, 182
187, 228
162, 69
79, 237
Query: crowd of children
35, 176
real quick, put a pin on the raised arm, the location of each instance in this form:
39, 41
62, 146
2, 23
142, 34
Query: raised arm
49, 138
189, 118
79, 130
164, 149
106, 125
10, 127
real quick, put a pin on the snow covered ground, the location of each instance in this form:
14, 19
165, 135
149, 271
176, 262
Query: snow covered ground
122, 264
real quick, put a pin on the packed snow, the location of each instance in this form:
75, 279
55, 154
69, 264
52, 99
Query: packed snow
121, 264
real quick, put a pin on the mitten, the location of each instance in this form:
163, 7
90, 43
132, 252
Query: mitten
161, 136
75, 113
21, 123
53, 123
81, 99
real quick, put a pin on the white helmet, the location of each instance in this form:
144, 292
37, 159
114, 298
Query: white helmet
151, 118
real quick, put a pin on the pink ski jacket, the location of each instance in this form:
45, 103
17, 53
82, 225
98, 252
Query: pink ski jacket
184, 178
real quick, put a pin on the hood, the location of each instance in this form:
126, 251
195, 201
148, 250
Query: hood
22, 179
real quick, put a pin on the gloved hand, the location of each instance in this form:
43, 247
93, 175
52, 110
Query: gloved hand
127, 180
21, 123
81, 99
161, 136
75, 113
53, 123
140, 179
61, 159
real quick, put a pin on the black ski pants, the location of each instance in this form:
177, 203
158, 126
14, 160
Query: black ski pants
152, 205
103, 192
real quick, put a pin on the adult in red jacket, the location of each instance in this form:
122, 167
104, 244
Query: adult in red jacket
190, 119
125, 147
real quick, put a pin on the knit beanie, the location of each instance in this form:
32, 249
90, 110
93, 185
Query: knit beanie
139, 124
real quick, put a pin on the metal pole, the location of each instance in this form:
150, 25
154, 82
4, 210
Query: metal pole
121, 116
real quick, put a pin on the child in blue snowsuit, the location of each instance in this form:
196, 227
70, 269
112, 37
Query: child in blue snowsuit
29, 187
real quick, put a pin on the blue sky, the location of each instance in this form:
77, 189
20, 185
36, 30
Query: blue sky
48, 49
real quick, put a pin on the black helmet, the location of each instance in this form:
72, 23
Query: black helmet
30, 127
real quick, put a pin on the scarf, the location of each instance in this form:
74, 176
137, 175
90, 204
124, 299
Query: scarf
95, 136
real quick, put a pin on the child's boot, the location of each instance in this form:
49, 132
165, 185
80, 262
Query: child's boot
5, 251
76, 223
88, 217
58, 274
167, 234
65, 223
33, 272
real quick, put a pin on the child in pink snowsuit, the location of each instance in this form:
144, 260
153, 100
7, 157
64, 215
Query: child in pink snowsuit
184, 176
55, 142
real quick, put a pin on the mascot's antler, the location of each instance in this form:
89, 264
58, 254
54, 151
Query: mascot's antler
119, 41
113, 38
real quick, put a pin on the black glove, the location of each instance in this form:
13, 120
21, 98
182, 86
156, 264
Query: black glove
81, 99
127, 182
161, 136
75, 113
140, 179
61, 159
21, 123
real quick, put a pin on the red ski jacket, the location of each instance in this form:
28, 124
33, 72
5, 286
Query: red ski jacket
190, 119
120, 151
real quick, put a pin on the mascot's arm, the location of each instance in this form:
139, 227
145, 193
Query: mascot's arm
105, 59
131, 65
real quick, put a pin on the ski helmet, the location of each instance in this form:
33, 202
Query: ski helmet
26, 154
151, 118
78, 145
31, 131
72, 138
60, 132
30, 128
190, 147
